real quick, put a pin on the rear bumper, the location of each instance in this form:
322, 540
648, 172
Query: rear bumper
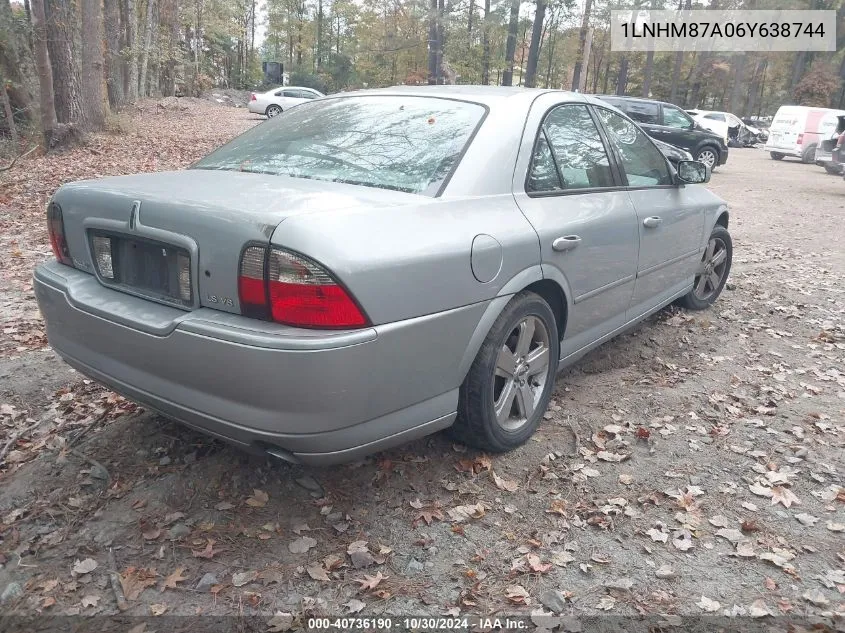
322, 397
255, 108
723, 155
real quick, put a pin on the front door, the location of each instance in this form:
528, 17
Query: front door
585, 220
670, 217
676, 128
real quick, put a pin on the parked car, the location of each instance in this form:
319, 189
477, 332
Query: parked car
760, 124
825, 151
673, 154
798, 130
730, 127
275, 101
370, 268
669, 123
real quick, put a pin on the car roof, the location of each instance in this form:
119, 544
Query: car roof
487, 95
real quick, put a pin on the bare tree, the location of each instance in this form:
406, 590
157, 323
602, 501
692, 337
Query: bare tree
485, 45
93, 98
433, 43
534, 47
145, 53
61, 27
648, 72
510, 47
10, 115
132, 45
45, 70
115, 66
582, 41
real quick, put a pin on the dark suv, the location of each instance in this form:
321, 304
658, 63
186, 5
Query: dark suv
668, 123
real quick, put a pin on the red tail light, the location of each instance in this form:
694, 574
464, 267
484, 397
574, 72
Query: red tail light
252, 97
56, 231
800, 138
295, 291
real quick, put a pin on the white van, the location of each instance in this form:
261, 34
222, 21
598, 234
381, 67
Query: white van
798, 130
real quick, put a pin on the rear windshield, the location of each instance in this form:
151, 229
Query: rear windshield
402, 143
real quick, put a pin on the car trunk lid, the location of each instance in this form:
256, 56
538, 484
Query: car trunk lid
170, 230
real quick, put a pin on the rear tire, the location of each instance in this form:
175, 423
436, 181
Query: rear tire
776, 155
809, 155
713, 271
509, 385
273, 110
832, 170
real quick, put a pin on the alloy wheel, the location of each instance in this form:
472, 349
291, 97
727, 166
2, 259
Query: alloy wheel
712, 270
708, 157
521, 373
273, 110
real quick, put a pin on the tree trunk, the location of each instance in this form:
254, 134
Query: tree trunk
582, 41
93, 76
485, 45
132, 44
739, 88
45, 71
647, 73
432, 42
534, 48
678, 62
145, 53
441, 40
510, 48
114, 63
16, 69
10, 116
66, 81
319, 54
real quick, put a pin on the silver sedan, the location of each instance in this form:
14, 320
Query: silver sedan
370, 268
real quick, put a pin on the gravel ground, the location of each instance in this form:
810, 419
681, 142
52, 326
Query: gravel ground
692, 466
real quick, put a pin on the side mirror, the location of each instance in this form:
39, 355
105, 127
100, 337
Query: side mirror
693, 172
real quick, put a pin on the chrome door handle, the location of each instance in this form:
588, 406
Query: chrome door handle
652, 222
566, 243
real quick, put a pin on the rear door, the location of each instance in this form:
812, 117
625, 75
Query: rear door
676, 128
670, 218
570, 190
788, 124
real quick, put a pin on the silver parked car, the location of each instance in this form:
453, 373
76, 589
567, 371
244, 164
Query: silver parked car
371, 268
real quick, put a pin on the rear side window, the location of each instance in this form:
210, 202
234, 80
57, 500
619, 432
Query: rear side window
569, 153
639, 111
643, 163
402, 143
673, 117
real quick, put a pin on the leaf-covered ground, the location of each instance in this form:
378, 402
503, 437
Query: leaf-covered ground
692, 466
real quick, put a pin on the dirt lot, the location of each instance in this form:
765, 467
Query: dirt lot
692, 466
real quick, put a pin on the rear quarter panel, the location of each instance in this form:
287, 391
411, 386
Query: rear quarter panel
411, 261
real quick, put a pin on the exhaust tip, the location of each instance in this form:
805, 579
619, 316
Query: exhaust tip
282, 454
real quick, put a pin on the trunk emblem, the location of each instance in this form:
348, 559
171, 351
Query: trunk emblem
133, 215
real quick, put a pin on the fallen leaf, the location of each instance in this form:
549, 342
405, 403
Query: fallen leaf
745, 549
360, 554
134, 580
158, 609
611, 457
466, 512
657, 535
517, 594
719, 521
682, 540
317, 572
536, 565
244, 578
172, 579
806, 519
816, 596
504, 484
354, 606
733, 535
258, 499
84, 567
557, 506
280, 622
302, 544
784, 496
706, 604
835, 527
90, 601
368, 583
208, 552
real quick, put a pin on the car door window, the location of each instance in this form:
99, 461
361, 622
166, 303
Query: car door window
673, 117
643, 163
292, 93
642, 111
569, 143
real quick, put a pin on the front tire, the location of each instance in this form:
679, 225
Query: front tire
709, 156
506, 392
713, 271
